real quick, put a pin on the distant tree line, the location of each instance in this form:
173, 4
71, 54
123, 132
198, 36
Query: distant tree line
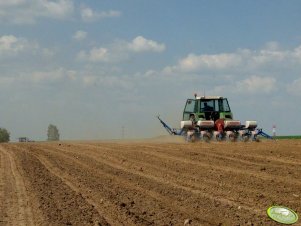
4, 135
53, 133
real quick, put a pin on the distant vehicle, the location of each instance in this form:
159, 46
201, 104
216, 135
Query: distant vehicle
24, 139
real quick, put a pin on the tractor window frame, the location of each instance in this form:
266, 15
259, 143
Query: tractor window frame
192, 108
224, 105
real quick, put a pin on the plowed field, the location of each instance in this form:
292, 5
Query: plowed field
148, 183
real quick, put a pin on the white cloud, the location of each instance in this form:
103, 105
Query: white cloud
28, 11
120, 50
295, 87
98, 54
242, 60
94, 55
268, 56
256, 84
50, 76
252, 85
11, 45
80, 35
141, 44
200, 63
297, 53
39, 77
57, 9
220, 61
88, 15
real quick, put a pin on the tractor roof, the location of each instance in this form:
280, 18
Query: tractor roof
209, 97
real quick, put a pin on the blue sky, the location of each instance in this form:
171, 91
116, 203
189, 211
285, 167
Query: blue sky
92, 67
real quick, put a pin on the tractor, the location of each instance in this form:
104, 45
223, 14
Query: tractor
210, 117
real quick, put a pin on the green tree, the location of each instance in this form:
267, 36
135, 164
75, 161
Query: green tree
53, 133
4, 135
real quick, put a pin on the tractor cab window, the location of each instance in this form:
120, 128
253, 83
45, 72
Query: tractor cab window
207, 105
224, 105
189, 108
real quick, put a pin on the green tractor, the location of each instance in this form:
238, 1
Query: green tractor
210, 117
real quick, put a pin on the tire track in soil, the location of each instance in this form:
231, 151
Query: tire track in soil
132, 189
15, 206
226, 164
167, 174
59, 204
185, 187
233, 155
106, 208
70, 181
240, 175
280, 192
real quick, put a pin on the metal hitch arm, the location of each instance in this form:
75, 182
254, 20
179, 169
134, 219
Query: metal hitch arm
168, 129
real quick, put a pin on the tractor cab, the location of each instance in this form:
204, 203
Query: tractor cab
207, 108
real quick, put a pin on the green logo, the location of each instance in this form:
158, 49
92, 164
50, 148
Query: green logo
282, 214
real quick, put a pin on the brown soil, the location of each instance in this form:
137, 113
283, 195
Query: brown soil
148, 183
